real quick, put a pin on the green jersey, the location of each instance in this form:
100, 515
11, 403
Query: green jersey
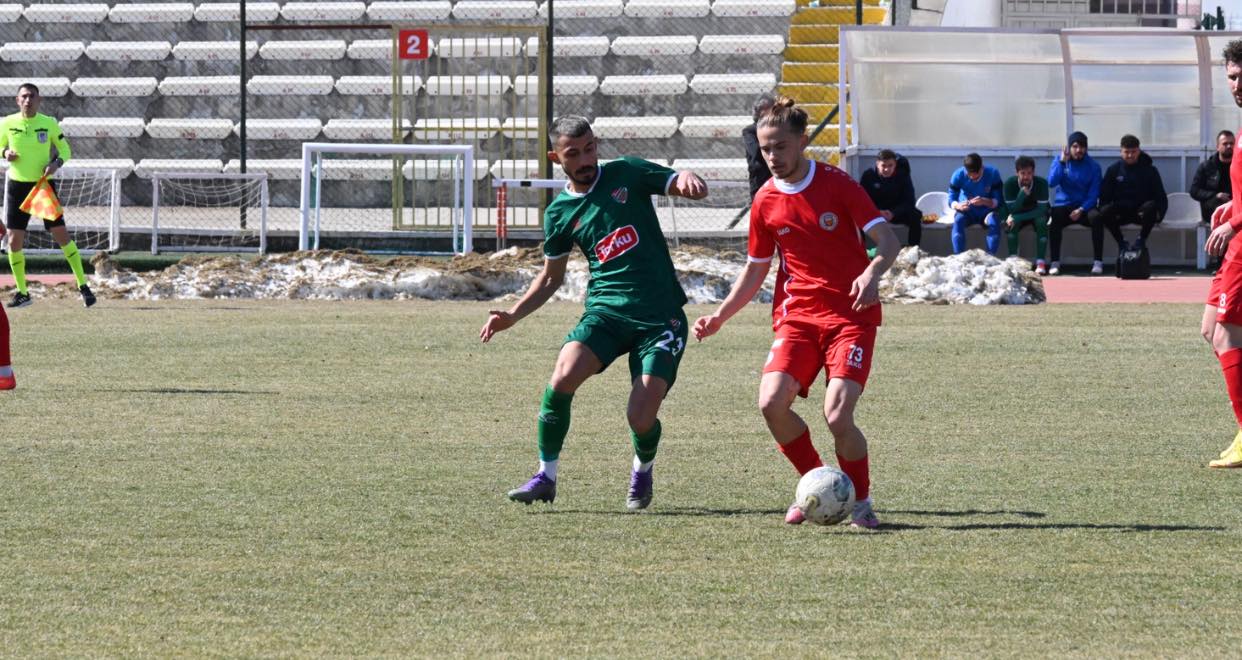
615, 225
33, 140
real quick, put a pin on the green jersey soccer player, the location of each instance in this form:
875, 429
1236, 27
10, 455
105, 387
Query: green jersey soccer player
633, 302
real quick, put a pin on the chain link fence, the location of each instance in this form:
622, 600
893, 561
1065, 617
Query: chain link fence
147, 86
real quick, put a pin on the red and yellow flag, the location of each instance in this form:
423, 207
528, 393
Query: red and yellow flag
42, 202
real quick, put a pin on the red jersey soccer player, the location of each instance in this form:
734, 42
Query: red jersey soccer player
1222, 318
826, 307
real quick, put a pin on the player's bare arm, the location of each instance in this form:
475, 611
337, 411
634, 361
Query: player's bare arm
688, 185
540, 291
743, 291
866, 288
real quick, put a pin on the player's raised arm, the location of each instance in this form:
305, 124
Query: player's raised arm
688, 185
541, 289
744, 289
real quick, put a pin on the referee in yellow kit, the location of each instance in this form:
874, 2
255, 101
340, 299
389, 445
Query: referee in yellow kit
35, 147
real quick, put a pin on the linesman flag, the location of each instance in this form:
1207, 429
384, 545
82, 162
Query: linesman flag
42, 202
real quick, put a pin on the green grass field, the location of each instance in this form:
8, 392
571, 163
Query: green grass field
290, 479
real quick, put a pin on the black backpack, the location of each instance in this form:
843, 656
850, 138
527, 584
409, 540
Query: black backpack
1134, 264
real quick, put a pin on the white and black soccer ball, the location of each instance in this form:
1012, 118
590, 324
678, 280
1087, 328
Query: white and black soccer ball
825, 496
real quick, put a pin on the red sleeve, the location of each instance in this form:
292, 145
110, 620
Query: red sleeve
1235, 178
760, 246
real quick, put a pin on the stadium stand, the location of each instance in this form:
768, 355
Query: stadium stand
113, 86
515, 169
655, 46
520, 127
290, 85
212, 50
281, 129
667, 8
56, 13
753, 8
367, 130
48, 87
153, 12
146, 166
102, 127
561, 85
742, 44
9, 13
124, 166
50, 51
466, 85
634, 127
432, 170
370, 49
454, 129
479, 47
488, 10
427, 10
718, 169
129, 51
733, 83
321, 11
350, 169
721, 127
190, 129
284, 169
200, 86
331, 49
376, 85
653, 85
569, 9
228, 12
572, 47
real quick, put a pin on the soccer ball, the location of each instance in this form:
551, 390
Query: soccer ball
825, 496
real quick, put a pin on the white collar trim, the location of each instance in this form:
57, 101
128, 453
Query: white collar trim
798, 186
599, 171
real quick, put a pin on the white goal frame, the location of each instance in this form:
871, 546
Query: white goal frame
234, 176
463, 212
114, 210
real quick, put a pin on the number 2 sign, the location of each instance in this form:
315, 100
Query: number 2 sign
414, 44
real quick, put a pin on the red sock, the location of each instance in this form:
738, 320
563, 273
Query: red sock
859, 472
802, 453
4, 339
1231, 365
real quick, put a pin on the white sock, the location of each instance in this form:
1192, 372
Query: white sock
640, 466
549, 468
6, 371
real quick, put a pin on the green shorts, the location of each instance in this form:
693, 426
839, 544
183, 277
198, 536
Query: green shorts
655, 348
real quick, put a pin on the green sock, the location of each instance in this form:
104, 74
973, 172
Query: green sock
17, 262
553, 423
75, 261
645, 444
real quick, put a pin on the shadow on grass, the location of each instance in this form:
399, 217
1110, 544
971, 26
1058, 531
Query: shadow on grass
1103, 527
969, 512
665, 511
186, 390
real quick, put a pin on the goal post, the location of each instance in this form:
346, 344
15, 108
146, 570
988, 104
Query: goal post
445, 203
208, 212
91, 199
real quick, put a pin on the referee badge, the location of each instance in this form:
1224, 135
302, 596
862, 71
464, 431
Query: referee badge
42, 137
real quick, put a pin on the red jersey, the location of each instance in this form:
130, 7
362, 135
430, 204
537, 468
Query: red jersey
1235, 218
817, 226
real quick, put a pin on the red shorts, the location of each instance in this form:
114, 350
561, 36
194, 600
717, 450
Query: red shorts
802, 349
1226, 293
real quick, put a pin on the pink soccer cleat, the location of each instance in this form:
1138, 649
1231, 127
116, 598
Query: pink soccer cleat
794, 515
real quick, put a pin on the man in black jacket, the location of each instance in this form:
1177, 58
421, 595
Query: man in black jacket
1132, 193
756, 166
892, 190
1211, 186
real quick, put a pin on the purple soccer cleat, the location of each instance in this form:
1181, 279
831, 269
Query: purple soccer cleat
640, 490
540, 488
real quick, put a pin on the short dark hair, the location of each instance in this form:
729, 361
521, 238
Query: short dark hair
886, 154
1223, 134
30, 86
1129, 142
973, 162
1233, 52
762, 104
572, 126
1023, 162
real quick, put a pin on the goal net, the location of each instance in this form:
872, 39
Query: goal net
92, 206
388, 197
208, 212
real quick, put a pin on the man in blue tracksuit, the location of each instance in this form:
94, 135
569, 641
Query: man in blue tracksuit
1077, 177
974, 192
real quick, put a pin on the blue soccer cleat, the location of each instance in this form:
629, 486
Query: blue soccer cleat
539, 488
640, 490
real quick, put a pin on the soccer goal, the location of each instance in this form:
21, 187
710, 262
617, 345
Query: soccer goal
208, 212
384, 194
92, 202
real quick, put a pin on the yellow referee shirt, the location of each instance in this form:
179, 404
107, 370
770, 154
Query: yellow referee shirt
33, 140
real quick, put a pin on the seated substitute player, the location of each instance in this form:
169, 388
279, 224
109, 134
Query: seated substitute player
27, 140
1026, 201
633, 302
825, 309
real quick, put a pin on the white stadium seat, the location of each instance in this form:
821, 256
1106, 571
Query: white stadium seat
190, 129
516, 169
153, 12
715, 169
146, 166
290, 85
655, 46
494, 10
9, 13
667, 8
456, 129
1183, 212
733, 83
426, 10
634, 127
643, 85
47, 51
320, 11
114, 86
123, 166
479, 47
935, 203
200, 86
423, 169
715, 126
212, 50
283, 169
371, 130
53, 87
561, 85
754, 8
329, 49
94, 12
520, 127
356, 169
281, 129
370, 49
466, 85
376, 85
582, 9
742, 44
128, 51
229, 12
571, 47
102, 127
